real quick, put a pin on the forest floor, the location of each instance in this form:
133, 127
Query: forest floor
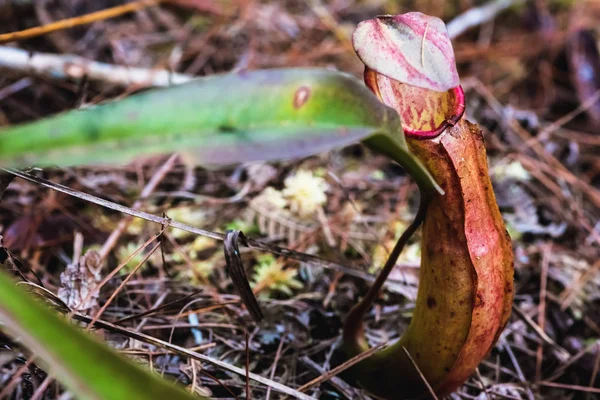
532, 80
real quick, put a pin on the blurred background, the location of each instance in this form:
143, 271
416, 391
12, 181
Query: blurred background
531, 73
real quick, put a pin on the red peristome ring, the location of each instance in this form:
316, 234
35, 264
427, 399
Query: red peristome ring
459, 110
457, 106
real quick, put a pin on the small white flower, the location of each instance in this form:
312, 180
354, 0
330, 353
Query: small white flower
512, 170
273, 197
305, 192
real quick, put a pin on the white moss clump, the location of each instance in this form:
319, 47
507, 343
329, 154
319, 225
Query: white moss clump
305, 192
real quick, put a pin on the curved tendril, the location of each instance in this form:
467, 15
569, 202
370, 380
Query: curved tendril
353, 326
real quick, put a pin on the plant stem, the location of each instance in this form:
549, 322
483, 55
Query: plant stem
353, 326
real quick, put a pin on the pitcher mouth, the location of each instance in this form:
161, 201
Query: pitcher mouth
425, 113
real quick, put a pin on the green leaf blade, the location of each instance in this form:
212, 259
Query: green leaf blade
219, 120
87, 367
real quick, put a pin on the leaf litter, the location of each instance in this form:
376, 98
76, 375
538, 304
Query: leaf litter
540, 129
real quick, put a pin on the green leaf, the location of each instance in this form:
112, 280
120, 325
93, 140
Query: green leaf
219, 120
90, 369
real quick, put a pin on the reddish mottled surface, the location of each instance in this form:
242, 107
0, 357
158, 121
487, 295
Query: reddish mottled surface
412, 48
489, 247
425, 113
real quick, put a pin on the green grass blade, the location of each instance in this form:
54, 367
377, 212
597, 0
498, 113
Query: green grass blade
90, 369
219, 120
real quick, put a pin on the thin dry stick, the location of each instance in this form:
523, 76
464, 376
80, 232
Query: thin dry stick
570, 361
191, 325
192, 354
274, 366
547, 251
51, 298
595, 370
482, 383
332, 24
118, 268
14, 87
142, 323
570, 293
39, 392
340, 368
350, 200
248, 393
570, 387
156, 304
518, 369
157, 177
344, 388
15, 379
218, 381
208, 308
122, 285
77, 21
194, 376
546, 131
156, 309
68, 66
177, 248
551, 164
563, 354
195, 331
142, 352
477, 16
414, 364
251, 243
591, 324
